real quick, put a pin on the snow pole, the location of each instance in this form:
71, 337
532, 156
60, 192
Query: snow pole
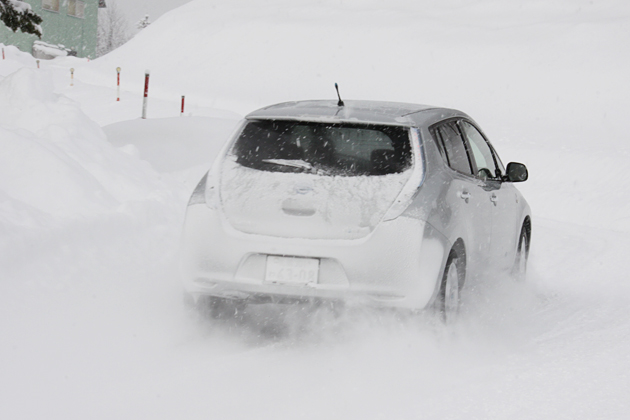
146, 94
118, 84
3, 53
72, 77
37, 63
182, 113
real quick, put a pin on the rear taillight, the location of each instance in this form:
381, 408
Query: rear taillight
414, 182
204, 193
199, 194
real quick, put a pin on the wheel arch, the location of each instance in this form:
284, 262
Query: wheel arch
459, 249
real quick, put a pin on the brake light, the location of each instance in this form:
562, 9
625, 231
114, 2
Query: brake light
199, 194
414, 182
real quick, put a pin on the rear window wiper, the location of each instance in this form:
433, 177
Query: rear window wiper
302, 164
294, 163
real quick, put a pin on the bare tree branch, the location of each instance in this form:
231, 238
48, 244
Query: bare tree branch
113, 29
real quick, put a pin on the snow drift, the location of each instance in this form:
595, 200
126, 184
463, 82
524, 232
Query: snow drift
55, 159
57, 169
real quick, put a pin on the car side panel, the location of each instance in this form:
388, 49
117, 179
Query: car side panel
441, 204
505, 220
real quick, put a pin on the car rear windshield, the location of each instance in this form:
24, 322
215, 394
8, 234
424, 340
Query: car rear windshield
325, 148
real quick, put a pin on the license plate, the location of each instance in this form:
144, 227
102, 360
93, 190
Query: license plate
291, 270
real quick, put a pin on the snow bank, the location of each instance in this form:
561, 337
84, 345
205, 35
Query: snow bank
57, 160
58, 170
14, 60
173, 144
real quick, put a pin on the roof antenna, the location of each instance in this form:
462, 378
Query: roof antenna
340, 103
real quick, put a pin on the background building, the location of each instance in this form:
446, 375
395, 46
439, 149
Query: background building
68, 26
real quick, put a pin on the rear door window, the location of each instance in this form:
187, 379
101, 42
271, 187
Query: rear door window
325, 148
453, 146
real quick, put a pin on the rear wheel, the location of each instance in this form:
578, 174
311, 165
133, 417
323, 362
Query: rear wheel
452, 279
522, 255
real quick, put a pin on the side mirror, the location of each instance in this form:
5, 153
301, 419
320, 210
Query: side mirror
516, 172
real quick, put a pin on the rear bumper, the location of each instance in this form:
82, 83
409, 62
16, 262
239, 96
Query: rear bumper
398, 265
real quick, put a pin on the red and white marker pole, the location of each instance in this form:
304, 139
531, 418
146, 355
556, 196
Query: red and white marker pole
182, 113
118, 84
72, 77
3, 53
146, 94
37, 63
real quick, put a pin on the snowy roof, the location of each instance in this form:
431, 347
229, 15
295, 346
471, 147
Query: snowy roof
353, 111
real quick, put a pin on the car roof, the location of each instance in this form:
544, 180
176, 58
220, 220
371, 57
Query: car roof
363, 112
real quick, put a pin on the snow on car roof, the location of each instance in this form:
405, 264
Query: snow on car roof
376, 112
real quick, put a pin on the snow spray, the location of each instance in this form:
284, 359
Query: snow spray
118, 84
146, 94
182, 113
72, 77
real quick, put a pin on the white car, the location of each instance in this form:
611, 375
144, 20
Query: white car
377, 203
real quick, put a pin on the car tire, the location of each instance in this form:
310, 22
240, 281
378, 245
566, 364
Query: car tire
452, 280
522, 255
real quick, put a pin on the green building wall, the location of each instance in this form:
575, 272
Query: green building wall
77, 34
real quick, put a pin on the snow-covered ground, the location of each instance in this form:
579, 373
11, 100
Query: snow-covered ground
92, 200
